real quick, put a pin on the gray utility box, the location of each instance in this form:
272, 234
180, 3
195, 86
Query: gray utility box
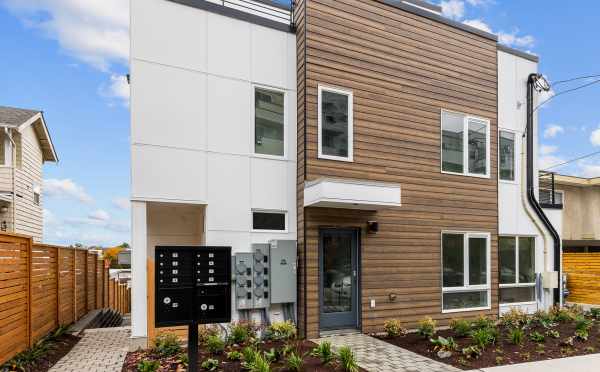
261, 278
283, 271
243, 270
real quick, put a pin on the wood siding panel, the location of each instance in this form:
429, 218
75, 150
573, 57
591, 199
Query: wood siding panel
403, 70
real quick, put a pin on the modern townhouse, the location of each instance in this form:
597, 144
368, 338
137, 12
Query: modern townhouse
390, 143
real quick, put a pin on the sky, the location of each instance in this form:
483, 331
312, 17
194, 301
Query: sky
69, 58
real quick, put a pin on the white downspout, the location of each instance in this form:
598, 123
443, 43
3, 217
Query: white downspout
13, 156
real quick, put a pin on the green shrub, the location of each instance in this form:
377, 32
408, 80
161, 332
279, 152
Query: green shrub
234, 355
393, 328
514, 318
184, 359
483, 337
471, 352
561, 314
260, 364
426, 327
444, 344
210, 364
148, 366
166, 345
347, 359
295, 362
273, 355
537, 337
583, 324
595, 312
483, 322
582, 334
214, 344
281, 331
324, 352
248, 354
552, 333
461, 327
240, 332
516, 336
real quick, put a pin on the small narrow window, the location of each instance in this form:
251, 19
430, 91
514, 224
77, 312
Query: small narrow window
507, 156
269, 126
271, 221
452, 142
465, 145
36, 198
335, 124
517, 269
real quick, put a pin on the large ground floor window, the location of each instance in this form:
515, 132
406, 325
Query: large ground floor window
517, 269
465, 271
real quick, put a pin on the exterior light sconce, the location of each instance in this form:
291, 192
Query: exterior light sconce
372, 227
3, 209
4, 226
392, 297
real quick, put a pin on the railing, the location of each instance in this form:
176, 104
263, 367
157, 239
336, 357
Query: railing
275, 11
549, 196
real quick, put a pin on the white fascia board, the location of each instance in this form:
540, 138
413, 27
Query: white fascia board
351, 194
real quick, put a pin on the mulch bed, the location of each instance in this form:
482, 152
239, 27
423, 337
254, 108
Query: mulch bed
504, 352
172, 364
59, 347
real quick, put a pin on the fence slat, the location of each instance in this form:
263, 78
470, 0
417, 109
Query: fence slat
583, 277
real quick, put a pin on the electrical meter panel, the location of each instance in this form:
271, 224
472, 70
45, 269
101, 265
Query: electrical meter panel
261, 276
283, 271
192, 284
244, 298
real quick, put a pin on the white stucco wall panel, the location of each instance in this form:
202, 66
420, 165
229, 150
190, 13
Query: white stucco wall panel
229, 47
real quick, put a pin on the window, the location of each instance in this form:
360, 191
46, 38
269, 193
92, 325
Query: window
465, 144
269, 119
36, 198
507, 156
465, 271
269, 221
335, 124
517, 269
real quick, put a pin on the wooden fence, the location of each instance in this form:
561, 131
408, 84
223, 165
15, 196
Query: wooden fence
43, 287
583, 277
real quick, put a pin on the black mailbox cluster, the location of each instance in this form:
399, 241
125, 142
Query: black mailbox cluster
192, 285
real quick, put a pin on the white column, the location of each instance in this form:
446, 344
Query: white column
139, 291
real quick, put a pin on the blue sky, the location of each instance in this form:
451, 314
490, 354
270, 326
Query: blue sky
69, 58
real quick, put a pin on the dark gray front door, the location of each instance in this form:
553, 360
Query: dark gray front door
338, 252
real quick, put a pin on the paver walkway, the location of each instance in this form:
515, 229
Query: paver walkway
100, 350
376, 355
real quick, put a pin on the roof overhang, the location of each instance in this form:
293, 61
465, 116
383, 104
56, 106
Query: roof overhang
560, 179
41, 130
351, 194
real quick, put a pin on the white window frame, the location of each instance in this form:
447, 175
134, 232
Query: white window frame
350, 95
517, 283
253, 123
466, 119
515, 161
466, 287
274, 211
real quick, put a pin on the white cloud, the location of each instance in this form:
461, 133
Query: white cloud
547, 149
479, 24
122, 203
590, 170
595, 137
99, 215
454, 9
117, 88
547, 161
479, 2
66, 188
553, 130
511, 39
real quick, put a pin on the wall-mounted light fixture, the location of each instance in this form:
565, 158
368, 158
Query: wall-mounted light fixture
372, 227
3, 209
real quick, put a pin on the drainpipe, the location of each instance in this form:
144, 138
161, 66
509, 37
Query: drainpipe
531, 81
8, 133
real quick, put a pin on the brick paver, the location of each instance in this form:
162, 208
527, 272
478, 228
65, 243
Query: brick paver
379, 356
99, 350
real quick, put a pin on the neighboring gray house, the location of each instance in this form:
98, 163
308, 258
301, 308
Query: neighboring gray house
25, 145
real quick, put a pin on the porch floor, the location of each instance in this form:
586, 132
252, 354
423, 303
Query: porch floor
375, 355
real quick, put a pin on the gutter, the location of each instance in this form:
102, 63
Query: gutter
531, 80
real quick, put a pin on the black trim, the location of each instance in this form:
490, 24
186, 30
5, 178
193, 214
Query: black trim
531, 186
236, 14
518, 53
439, 18
551, 206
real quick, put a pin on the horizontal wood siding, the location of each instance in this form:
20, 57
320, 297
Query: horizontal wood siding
583, 277
403, 69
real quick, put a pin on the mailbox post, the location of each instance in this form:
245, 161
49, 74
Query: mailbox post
192, 287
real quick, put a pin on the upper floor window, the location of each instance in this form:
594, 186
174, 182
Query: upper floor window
335, 124
507, 156
465, 145
269, 221
546, 197
269, 122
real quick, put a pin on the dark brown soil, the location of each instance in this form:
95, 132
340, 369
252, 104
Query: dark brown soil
504, 352
172, 364
58, 348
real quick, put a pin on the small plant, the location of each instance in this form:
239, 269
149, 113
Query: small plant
426, 327
183, 359
260, 364
248, 355
595, 312
324, 352
461, 327
463, 362
525, 355
273, 355
214, 344
148, 366
581, 323
444, 344
210, 364
514, 318
347, 359
295, 362
569, 341
537, 337
499, 360
393, 328
281, 331
516, 336
234, 355
582, 334
483, 337
483, 322
471, 352
240, 332
540, 349
590, 349
553, 333
166, 345
561, 314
